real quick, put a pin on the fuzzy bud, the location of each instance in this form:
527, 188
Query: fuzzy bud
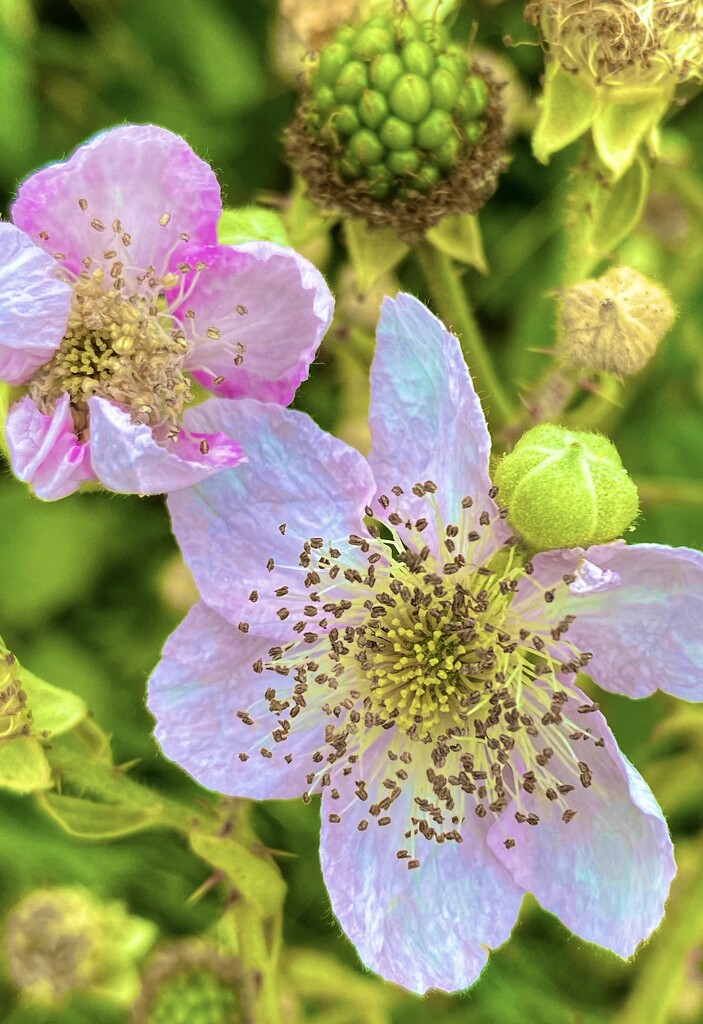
60, 941
397, 127
614, 323
565, 489
636, 43
192, 982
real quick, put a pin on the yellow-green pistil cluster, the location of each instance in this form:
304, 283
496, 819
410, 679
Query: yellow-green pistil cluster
395, 105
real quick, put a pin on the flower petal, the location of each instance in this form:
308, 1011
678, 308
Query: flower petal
228, 527
204, 678
44, 451
425, 417
136, 174
639, 611
266, 298
127, 459
606, 874
34, 306
428, 927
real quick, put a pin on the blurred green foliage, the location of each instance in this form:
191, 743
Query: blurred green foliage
91, 586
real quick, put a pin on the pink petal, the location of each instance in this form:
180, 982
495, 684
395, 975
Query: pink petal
605, 874
127, 459
639, 611
34, 306
203, 679
426, 419
44, 451
428, 927
284, 306
228, 527
135, 174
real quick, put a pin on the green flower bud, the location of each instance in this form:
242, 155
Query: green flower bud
351, 82
373, 108
397, 134
434, 129
410, 98
193, 982
565, 489
385, 69
404, 161
332, 60
418, 58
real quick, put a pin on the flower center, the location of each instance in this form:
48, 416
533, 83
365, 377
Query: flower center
432, 664
119, 347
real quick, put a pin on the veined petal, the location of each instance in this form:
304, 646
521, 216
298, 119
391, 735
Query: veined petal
427, 927
639, 611
606, 874
204, 678
44, 450
265, 298
34, 306
145, 177
426, 420
127, 459
228, 527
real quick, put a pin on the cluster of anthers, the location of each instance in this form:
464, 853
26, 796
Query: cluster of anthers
128, 335
636, 43
16, 719
426, 682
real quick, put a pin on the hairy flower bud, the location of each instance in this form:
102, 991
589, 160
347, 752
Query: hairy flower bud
566, 489
192, 982
616, 322
397, 127
60, 941
636, 43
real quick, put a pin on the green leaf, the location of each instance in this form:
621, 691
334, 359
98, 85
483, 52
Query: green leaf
568, 107
23, 765
254, 876
619, 208
619, 128
372, 253
459, 236
89, 819
250, 223
55, 711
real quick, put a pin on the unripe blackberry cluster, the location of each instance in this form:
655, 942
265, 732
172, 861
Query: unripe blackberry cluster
395, 117
194, 996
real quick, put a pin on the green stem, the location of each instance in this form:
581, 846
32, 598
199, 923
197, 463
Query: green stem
669, 490
453, 306
659, 979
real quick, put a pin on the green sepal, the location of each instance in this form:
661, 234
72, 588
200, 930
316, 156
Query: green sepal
251, 223
602, 213
89, 819
372, 253
459, 236
303, 220
5, 399
255, 877
23, 765
568, 106
618, 129
54, 711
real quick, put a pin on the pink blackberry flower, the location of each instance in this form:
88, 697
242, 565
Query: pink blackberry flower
114, 296
369, 631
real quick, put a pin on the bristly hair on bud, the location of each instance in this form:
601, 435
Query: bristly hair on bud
397, 127
614, 323
636, 43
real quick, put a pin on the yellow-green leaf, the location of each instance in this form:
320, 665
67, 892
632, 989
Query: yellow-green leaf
568, 107
251, 223
89, 819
